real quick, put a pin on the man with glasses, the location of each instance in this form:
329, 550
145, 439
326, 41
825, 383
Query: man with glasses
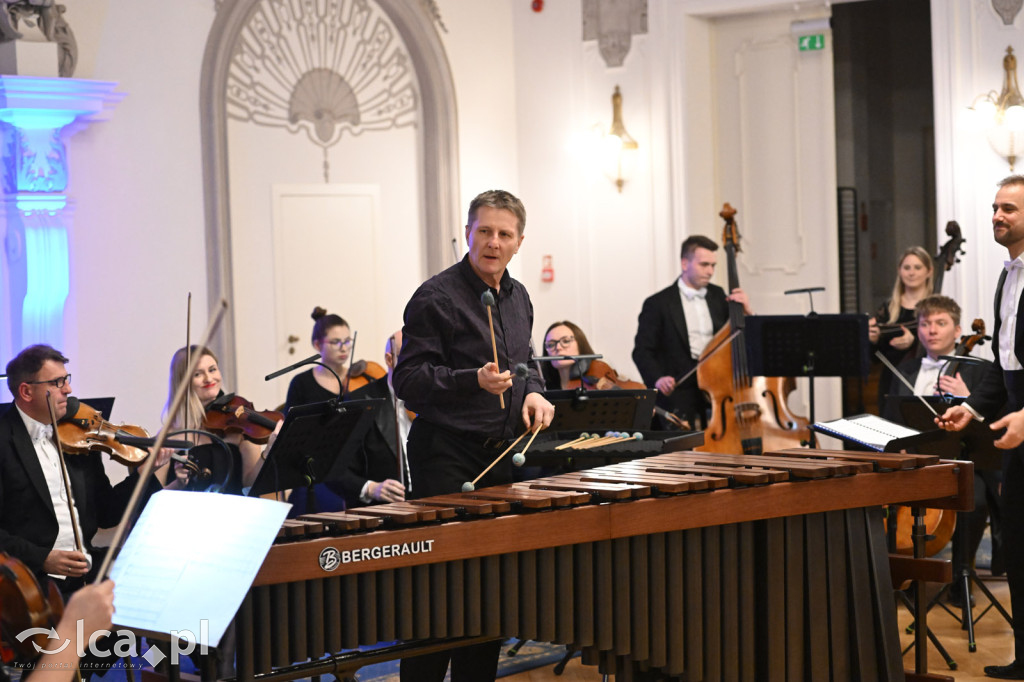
36, 523
675, 326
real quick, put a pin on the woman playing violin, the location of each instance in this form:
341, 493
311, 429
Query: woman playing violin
566, 338
914, 277
207, 385
332, 338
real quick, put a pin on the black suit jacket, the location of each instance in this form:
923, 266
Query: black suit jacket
377, 459
662, 343
28, 523
991, 395
972, 375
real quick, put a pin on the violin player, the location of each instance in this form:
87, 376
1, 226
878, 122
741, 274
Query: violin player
447, 375
207, 385
332, 339
938, 329
36, 524
35, 515
1003, 387
566, 338
915, 274
675, 326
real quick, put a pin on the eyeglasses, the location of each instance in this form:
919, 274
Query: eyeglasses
339, 343
56, 383
555, 343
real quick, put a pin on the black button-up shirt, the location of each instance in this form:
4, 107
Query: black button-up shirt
446, 339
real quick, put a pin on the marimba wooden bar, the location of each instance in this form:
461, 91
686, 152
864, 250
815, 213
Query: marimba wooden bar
715, 567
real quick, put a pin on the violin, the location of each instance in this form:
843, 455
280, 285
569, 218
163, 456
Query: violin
748, 414
231, 414
26, 606
600, 375
361, 373
83, 429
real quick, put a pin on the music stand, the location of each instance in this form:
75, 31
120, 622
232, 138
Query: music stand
813, 345
314, 442
615, 410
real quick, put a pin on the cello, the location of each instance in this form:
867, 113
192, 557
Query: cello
748, 414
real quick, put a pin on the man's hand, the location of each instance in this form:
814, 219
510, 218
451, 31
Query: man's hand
64, 562
873, 329
953, 385
537, 411
665, 385
954, 419
904, 340
493, 381
388, 490
740, 296
1014, 425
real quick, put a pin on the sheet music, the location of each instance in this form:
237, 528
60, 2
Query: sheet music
190, 558
867, 429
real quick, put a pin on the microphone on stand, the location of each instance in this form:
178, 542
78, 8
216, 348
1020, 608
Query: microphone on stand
311, 359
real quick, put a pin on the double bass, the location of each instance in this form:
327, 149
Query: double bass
748, 414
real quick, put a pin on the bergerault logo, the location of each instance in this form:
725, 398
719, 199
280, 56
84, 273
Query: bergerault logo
331, 558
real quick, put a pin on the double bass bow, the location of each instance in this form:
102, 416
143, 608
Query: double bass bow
748, 414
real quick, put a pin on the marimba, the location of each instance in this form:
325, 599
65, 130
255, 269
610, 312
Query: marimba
710, 566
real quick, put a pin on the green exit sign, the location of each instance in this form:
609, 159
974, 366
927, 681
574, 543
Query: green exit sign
812, 42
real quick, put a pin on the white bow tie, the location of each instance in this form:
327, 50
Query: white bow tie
44, 432
691, 294
1012, 264
928, 363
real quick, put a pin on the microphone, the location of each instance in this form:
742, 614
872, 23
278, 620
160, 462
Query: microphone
311, 359
805, 290
72, 405
140, 442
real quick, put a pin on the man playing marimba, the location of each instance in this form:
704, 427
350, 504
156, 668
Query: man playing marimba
448, 376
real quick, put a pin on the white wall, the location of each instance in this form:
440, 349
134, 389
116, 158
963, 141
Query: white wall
968, 44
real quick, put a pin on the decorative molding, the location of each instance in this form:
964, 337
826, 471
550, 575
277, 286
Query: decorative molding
1007, 10
323, 69
613, 23
438, 131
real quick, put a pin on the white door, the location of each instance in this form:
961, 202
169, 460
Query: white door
326, 250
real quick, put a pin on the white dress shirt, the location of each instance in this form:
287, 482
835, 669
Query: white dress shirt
928, 376
699, 326
42, 441
1008, 313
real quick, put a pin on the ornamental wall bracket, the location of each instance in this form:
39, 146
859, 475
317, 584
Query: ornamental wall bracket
1007, 10
45, 18
613, 23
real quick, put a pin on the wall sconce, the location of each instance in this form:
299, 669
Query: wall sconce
1002, 116
618, 140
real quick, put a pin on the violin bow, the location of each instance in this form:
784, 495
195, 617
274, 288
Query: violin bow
351, 358
899, 375
64, 474
188, 354
147, 466
402, 463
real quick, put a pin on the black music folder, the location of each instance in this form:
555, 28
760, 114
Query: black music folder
313, 444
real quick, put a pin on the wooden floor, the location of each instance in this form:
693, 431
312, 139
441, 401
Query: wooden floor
992, 634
